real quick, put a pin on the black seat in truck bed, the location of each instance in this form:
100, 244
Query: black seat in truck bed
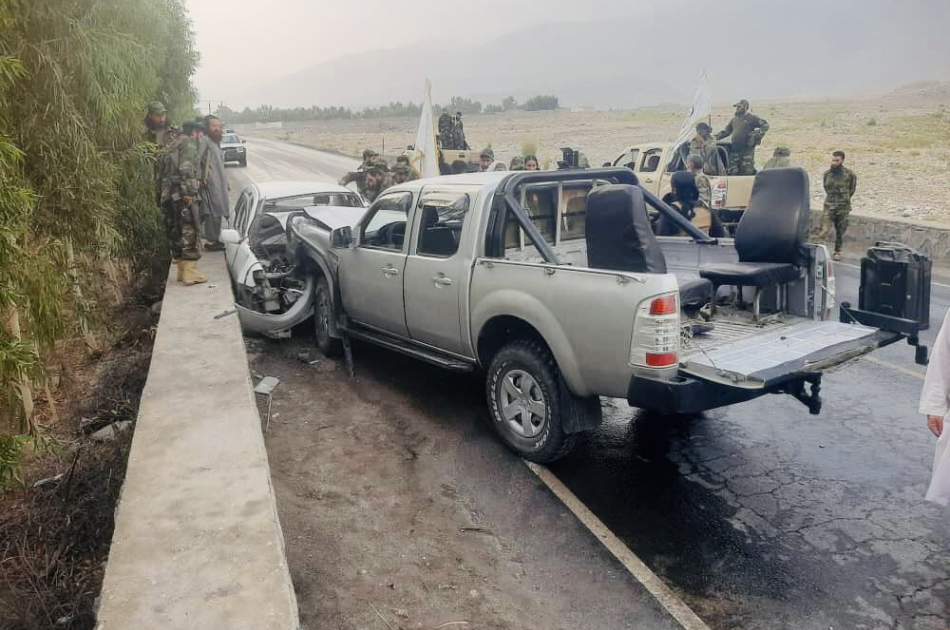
620, 237
771, 233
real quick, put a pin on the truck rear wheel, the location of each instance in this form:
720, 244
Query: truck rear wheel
322, 313
522, 389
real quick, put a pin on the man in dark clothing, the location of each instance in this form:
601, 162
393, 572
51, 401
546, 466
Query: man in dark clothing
213, 191
747, 131
840, 184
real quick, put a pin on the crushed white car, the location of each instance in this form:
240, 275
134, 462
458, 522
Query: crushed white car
272, 295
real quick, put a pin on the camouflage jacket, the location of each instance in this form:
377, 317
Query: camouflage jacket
746, 130
705, 190
840, 184
707, 149
372, 193
178, 170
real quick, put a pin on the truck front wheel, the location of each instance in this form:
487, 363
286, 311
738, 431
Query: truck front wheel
522, 389
322, 312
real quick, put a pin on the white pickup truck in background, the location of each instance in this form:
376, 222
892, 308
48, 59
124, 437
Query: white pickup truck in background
655, 162
553, 284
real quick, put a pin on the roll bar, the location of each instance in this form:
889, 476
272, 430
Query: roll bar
616, 174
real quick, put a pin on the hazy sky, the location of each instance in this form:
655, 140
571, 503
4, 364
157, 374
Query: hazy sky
242, 41
758, 47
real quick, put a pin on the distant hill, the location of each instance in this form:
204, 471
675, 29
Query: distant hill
650, 59
922, 92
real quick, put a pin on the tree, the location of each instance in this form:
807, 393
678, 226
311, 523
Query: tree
541, 102
509, 103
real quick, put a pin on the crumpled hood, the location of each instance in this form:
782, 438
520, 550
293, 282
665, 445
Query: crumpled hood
335, 216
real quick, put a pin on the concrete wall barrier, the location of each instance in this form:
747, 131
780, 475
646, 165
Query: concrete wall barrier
864, 231
197, 542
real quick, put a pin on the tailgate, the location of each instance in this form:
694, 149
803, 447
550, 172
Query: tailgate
775, 355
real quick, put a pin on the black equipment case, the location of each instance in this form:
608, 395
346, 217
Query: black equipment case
895, 280
895, 292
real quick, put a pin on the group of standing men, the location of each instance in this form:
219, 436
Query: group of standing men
746, 131
191, 186
373, 175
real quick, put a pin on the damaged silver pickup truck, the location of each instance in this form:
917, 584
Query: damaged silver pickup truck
555, 286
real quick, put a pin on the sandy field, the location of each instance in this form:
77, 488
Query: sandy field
899, 146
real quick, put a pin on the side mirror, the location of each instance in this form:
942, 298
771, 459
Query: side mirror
607, 165
230, 235
243, 141
341, 237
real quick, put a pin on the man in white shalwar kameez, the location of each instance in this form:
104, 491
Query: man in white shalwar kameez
935, 404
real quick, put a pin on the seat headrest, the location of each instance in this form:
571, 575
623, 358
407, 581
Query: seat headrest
619, 234
774, 226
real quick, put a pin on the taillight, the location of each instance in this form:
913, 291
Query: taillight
665, 305
656, 332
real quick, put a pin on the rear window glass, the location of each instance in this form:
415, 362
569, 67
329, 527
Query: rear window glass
231, 139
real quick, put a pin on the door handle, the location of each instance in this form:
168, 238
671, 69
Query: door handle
441, 281
390, 271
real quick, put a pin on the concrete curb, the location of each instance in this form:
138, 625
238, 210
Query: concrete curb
197, 542
864, 231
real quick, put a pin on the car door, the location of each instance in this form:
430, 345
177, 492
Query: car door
371, 274
241, 260
436, 271
650, 168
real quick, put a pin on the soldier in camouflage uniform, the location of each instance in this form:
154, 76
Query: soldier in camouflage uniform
401, 174
404, 160
446, 131
179, 201
359, 175
378, 179
156, 123
840, 184
516, 164
781, 158
746, 130
705, 146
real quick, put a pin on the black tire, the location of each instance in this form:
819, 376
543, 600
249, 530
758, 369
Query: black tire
243, 161
322, 312
509, 365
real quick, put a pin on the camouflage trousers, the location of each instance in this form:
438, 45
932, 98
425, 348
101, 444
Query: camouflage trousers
742, 161
834, 219
183, 228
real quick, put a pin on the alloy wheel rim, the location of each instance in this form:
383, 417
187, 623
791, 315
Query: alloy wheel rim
522, 403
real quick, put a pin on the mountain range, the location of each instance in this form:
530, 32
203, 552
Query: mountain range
621, 63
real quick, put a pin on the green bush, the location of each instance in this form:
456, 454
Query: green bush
76, 176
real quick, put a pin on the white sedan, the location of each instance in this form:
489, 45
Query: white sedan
271, 294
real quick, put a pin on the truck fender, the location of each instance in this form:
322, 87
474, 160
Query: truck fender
531, 311
318, 259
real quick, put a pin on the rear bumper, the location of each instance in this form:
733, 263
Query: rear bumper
685, 394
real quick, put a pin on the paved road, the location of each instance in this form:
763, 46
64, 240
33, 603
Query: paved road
760, 515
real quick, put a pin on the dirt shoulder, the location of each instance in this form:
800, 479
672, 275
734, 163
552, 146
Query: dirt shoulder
400, 510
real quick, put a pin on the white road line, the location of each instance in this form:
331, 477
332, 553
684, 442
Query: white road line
843, 264
892, 366
640, 571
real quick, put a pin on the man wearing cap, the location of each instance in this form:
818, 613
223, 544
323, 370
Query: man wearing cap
485, 159
781, 158
404, 160
516, 164
179, 199
746, 130
156, 123
704, 145
359, 175
377, 179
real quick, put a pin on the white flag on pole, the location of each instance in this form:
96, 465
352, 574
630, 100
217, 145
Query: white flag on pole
702, 106
427, 161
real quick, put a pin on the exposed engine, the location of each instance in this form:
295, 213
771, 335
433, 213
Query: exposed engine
277, 286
